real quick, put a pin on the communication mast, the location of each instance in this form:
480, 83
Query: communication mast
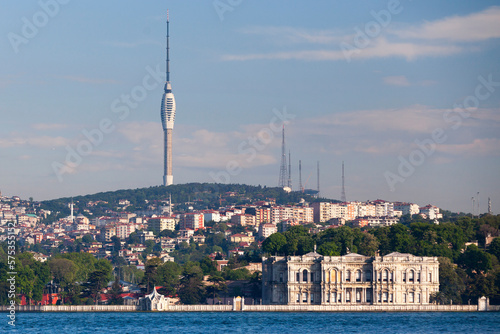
318, 181
289, 170
282, 182
300, 176
342, 196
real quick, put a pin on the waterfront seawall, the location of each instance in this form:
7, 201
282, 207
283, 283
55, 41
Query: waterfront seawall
256, 308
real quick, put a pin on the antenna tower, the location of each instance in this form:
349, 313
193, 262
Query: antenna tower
318, 178
289, 170
300, 176
283, 172
342, 196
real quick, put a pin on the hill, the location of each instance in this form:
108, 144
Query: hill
200, 196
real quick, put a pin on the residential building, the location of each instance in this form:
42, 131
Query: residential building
192, 220
161, 223
266, 229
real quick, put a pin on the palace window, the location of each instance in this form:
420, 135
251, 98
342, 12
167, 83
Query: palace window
404, 277
298, 277
368, 276
418, 277
368, 296
418, 297
304, 297
404, 297
334, 297
390, 297
304, 276
430, 277
411, 276
391, 276
385, 296
384, 275
348, 276
358, 296
312, 297
411, 297
298, 298
348, 296
358, 276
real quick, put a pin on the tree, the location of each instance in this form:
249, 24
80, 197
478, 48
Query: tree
191, 289
168, 276
208, 266
218, 285
330, 248
475, 261
87, 238
451, 282
98, 279
368, 245
274, 243
63, 272
115, 293
495, 248
150, 278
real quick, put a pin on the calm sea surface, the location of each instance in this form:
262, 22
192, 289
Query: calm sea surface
215, 322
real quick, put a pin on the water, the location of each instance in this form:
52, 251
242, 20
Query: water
253, 322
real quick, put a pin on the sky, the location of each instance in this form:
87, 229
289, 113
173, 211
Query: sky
406, 93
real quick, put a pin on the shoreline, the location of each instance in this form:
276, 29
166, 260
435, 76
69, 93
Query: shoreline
256, 308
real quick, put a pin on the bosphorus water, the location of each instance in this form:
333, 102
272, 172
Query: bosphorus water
254, 322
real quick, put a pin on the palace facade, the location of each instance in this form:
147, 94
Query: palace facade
395, 278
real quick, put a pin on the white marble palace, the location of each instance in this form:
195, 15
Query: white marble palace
396, 278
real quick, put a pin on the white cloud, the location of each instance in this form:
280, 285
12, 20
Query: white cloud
474, 148
399, 80
409, 43
469, 28
33, 141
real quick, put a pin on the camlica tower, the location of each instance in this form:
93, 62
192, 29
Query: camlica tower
167, 120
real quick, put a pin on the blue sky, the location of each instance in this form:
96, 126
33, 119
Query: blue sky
362, 82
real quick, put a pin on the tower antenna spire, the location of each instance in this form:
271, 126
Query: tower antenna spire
168, 50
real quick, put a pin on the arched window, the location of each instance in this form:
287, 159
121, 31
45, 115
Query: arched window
368, 276
334, 297
348, 296
384, 275
404, 276
304, 276
327, 277
348, 276
298, 277
333, 274
412, 297
358, 276
358, 296
411, 276
312, 278
391, 276
304, 297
